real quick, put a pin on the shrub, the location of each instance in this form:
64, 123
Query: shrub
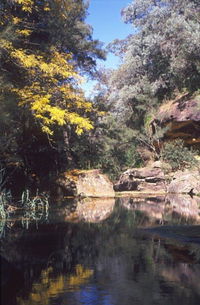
178, 155
118, 159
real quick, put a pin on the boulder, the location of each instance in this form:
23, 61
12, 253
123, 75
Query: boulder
147, 179
84, 183
179, 119
187, 182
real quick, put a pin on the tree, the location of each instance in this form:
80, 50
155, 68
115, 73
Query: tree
161, 58
39, 65
110, 145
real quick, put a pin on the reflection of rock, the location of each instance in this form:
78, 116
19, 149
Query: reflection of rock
85, 183
154, 208
87, 209
186, 206
163, 209
94, 209
180, 253
147, 179
185, 182
183, 274
125, 264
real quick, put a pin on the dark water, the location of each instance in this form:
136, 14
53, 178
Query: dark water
132, 251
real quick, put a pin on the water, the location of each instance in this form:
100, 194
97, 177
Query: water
135, 251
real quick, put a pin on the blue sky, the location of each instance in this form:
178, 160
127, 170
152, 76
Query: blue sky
105, 18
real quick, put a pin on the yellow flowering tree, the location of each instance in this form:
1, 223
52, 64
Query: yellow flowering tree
49, 85
44, 47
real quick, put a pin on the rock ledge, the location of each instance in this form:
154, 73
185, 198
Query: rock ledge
84, 183
150, 179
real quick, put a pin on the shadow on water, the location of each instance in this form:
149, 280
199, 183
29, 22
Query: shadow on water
101, 251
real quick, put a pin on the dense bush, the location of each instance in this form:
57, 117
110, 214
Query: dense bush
116, 160
178, 155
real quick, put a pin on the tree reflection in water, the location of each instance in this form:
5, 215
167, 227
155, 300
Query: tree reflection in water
50, 286
117, 260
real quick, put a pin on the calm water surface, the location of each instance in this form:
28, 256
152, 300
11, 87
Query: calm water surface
130, 252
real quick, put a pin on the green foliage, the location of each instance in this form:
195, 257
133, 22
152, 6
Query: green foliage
160, 59
119, 150
60, 23
110, 146
6, 200
114, 161
2, 209
34, 208
178, 155
32, 205
38, 40
5, 196
36, 202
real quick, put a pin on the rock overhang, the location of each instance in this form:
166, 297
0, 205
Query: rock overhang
179, 119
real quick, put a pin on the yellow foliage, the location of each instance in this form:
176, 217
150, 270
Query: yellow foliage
49, 286
4, 44
26, 61
43, 107
27, 5
51, 91
24, 32
81, 275
16, 20
46, 8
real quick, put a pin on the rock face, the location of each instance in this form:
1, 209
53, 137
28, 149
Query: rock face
185, 182
152, 179
147, 179
84, 183
182, 119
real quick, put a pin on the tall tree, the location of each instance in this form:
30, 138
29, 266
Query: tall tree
40, 92
161, 58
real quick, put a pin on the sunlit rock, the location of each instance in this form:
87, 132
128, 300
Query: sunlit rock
147, 179
182, 119
84, 183
185, 182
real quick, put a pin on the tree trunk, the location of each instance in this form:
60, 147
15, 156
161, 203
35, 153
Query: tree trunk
67, 152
